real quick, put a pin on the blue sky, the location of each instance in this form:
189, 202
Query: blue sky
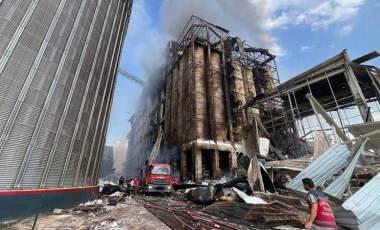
302, 33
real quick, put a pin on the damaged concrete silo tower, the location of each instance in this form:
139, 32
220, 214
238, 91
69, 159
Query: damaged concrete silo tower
198, 103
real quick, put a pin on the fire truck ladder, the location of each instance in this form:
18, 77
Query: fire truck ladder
156, 148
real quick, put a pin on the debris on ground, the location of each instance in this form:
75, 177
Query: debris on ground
204, 195
264, 215
127, 214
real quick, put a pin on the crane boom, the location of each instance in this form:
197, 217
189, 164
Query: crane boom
131, 77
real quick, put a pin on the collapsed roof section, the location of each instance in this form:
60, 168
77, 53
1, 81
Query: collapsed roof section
347, 90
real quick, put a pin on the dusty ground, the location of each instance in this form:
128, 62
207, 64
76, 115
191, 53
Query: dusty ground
128, 214
125, 215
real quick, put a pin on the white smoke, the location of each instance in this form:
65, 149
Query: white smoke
246, 19
253, 20
120, 149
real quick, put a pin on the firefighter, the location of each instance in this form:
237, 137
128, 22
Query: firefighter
121, 180
135, 185
128, 182
321, 214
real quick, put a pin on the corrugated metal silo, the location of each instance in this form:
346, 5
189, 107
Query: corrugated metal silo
57, 74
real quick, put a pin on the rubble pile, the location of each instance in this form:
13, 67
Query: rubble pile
277, 213
226, 201
268, 215
90, 206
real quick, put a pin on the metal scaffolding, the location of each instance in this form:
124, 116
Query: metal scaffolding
344, 88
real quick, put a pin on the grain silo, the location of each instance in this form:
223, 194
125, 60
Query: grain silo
208, 79
58, 64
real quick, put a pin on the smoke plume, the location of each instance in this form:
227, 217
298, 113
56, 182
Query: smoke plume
246, 19
252, 20
120, 149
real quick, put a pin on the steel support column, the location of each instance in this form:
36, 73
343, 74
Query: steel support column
356, 91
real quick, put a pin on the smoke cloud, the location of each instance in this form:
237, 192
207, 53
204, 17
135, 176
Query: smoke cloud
120, 149
252, 20
246, 19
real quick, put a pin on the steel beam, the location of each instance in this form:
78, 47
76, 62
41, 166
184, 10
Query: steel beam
331, 122
266, 133
356, 91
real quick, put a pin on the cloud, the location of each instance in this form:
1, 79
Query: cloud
332, 45
306, 48
346, 30
315, 14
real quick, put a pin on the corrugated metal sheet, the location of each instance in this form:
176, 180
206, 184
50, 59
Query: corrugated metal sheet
294, 164
338, 187
365, 128
365, 203
345, 218
36, 128
323, 168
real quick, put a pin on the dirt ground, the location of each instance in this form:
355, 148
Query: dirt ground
125, 215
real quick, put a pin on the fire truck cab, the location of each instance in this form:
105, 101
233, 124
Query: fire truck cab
157, 178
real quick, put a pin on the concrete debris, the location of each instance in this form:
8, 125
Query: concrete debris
108, 189
204, 195
114, 224
94, 202
112, 200
57, 211
89, 206
115, 197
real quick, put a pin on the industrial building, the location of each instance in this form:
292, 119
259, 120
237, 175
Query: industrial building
58, 65
198, 101
218, 96
344, 92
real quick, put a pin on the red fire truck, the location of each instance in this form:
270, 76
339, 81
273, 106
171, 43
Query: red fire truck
157, 177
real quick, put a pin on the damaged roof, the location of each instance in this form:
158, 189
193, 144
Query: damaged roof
365, 128
294, 164
365, 203
323, 168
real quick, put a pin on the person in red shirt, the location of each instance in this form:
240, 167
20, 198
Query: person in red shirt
135, 185
321, 214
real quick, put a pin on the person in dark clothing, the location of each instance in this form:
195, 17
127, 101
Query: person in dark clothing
128, 182
121, 180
